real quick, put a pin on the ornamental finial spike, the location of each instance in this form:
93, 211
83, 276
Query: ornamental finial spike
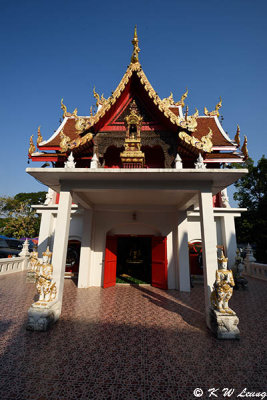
136, 50
237, 136
244, 148
39, 136
32, 147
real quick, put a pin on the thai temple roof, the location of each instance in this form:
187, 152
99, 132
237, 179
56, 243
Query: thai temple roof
196, 133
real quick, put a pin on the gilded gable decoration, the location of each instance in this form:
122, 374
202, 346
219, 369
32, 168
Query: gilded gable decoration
39, 136
66, 113
82, 124
168, 101
32, 148
215, 112
136, 49
204, 143
244, 148
99, 100
190, 121
64, 142
237, 136
181, 102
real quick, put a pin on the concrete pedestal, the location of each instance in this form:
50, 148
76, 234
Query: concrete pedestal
42, 315
224, 326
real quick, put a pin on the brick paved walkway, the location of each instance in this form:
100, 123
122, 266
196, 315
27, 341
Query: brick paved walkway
128, 343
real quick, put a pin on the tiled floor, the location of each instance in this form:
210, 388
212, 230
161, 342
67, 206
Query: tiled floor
128, 343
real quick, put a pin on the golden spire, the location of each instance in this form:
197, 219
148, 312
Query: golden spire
237, 136
215, 112
32, 147
40, 137
64, 108
244, 148
136, 49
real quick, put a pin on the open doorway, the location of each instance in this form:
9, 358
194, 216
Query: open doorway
134, 260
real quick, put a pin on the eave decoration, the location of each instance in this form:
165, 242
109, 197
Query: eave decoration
32, 148
66, 113
214, 113
39, 136
64, 142
204, 144
244, 148
237, 136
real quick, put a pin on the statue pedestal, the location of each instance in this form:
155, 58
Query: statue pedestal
224, 326
41, 315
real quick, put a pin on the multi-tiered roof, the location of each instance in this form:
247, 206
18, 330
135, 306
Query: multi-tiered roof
165, 120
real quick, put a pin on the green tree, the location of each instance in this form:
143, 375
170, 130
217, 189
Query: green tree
252, 194
18, 219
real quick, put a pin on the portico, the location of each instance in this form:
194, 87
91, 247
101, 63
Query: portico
135, 202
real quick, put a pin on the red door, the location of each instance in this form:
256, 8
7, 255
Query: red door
110, 262
159, 262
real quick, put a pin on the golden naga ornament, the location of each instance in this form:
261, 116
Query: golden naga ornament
136, 50
237, 136
214, 113
66, 113
189, 122
181, 102
82, 124
168, 101
222, 288
32, 148
39, 136
64, 142
244, 148
99, 100
80, 141
204, 144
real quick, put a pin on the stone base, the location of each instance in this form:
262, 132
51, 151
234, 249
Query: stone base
41, 315
224, 326
31, 277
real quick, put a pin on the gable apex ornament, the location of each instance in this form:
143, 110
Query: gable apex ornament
244, 148
66, 113
237, 136
39, 136
214, 113
32, 147
136, 50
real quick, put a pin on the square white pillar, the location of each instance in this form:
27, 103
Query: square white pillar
61, 242
209, 246
85, 255
183, 254
229, 238
45, 231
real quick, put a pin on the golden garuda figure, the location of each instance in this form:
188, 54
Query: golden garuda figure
223, 287
46, 286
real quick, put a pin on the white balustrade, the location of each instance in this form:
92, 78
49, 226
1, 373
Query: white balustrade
11, 265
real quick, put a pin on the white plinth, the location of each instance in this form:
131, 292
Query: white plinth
42, 315
224, 326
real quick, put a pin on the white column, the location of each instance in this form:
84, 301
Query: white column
229, 238
45, 231
85, 256
183, 254
209, 243
61, 242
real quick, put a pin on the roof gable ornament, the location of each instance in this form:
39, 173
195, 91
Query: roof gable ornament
66, 113
64, 142
181, 102
204, 144
136, 50
214, 113
39, 136
244, 148
237, 136
32, 147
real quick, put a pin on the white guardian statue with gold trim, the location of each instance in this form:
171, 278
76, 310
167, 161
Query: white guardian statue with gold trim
46, 287
223, 320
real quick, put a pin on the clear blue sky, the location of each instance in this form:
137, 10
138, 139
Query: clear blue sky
62, 48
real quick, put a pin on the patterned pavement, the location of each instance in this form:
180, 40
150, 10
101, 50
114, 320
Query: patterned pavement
129, 343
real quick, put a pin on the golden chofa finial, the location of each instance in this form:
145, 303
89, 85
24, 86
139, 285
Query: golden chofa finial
214, 113
32, 147
39, 136
136, 49
237, 136
244, 148
181, 102
64, 108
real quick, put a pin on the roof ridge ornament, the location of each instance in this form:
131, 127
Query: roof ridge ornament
32, 147
181, 101
136, 50
64, 142
244, 148
66, 113
237, 136
40, 137
214, 113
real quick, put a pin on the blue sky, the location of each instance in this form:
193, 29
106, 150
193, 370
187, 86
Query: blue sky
61, 48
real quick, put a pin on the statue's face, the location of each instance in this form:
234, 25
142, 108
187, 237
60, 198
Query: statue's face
224, 265
45, 259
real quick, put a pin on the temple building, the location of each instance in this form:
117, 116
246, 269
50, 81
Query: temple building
137, 190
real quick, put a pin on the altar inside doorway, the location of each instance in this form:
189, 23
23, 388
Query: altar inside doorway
134, 259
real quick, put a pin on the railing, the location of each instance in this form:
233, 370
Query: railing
11, 265
252, 268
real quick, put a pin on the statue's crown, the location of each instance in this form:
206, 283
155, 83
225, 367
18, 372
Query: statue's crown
222, 258
47, 252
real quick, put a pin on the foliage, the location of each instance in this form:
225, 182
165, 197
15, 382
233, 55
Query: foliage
18, 218
252, 194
